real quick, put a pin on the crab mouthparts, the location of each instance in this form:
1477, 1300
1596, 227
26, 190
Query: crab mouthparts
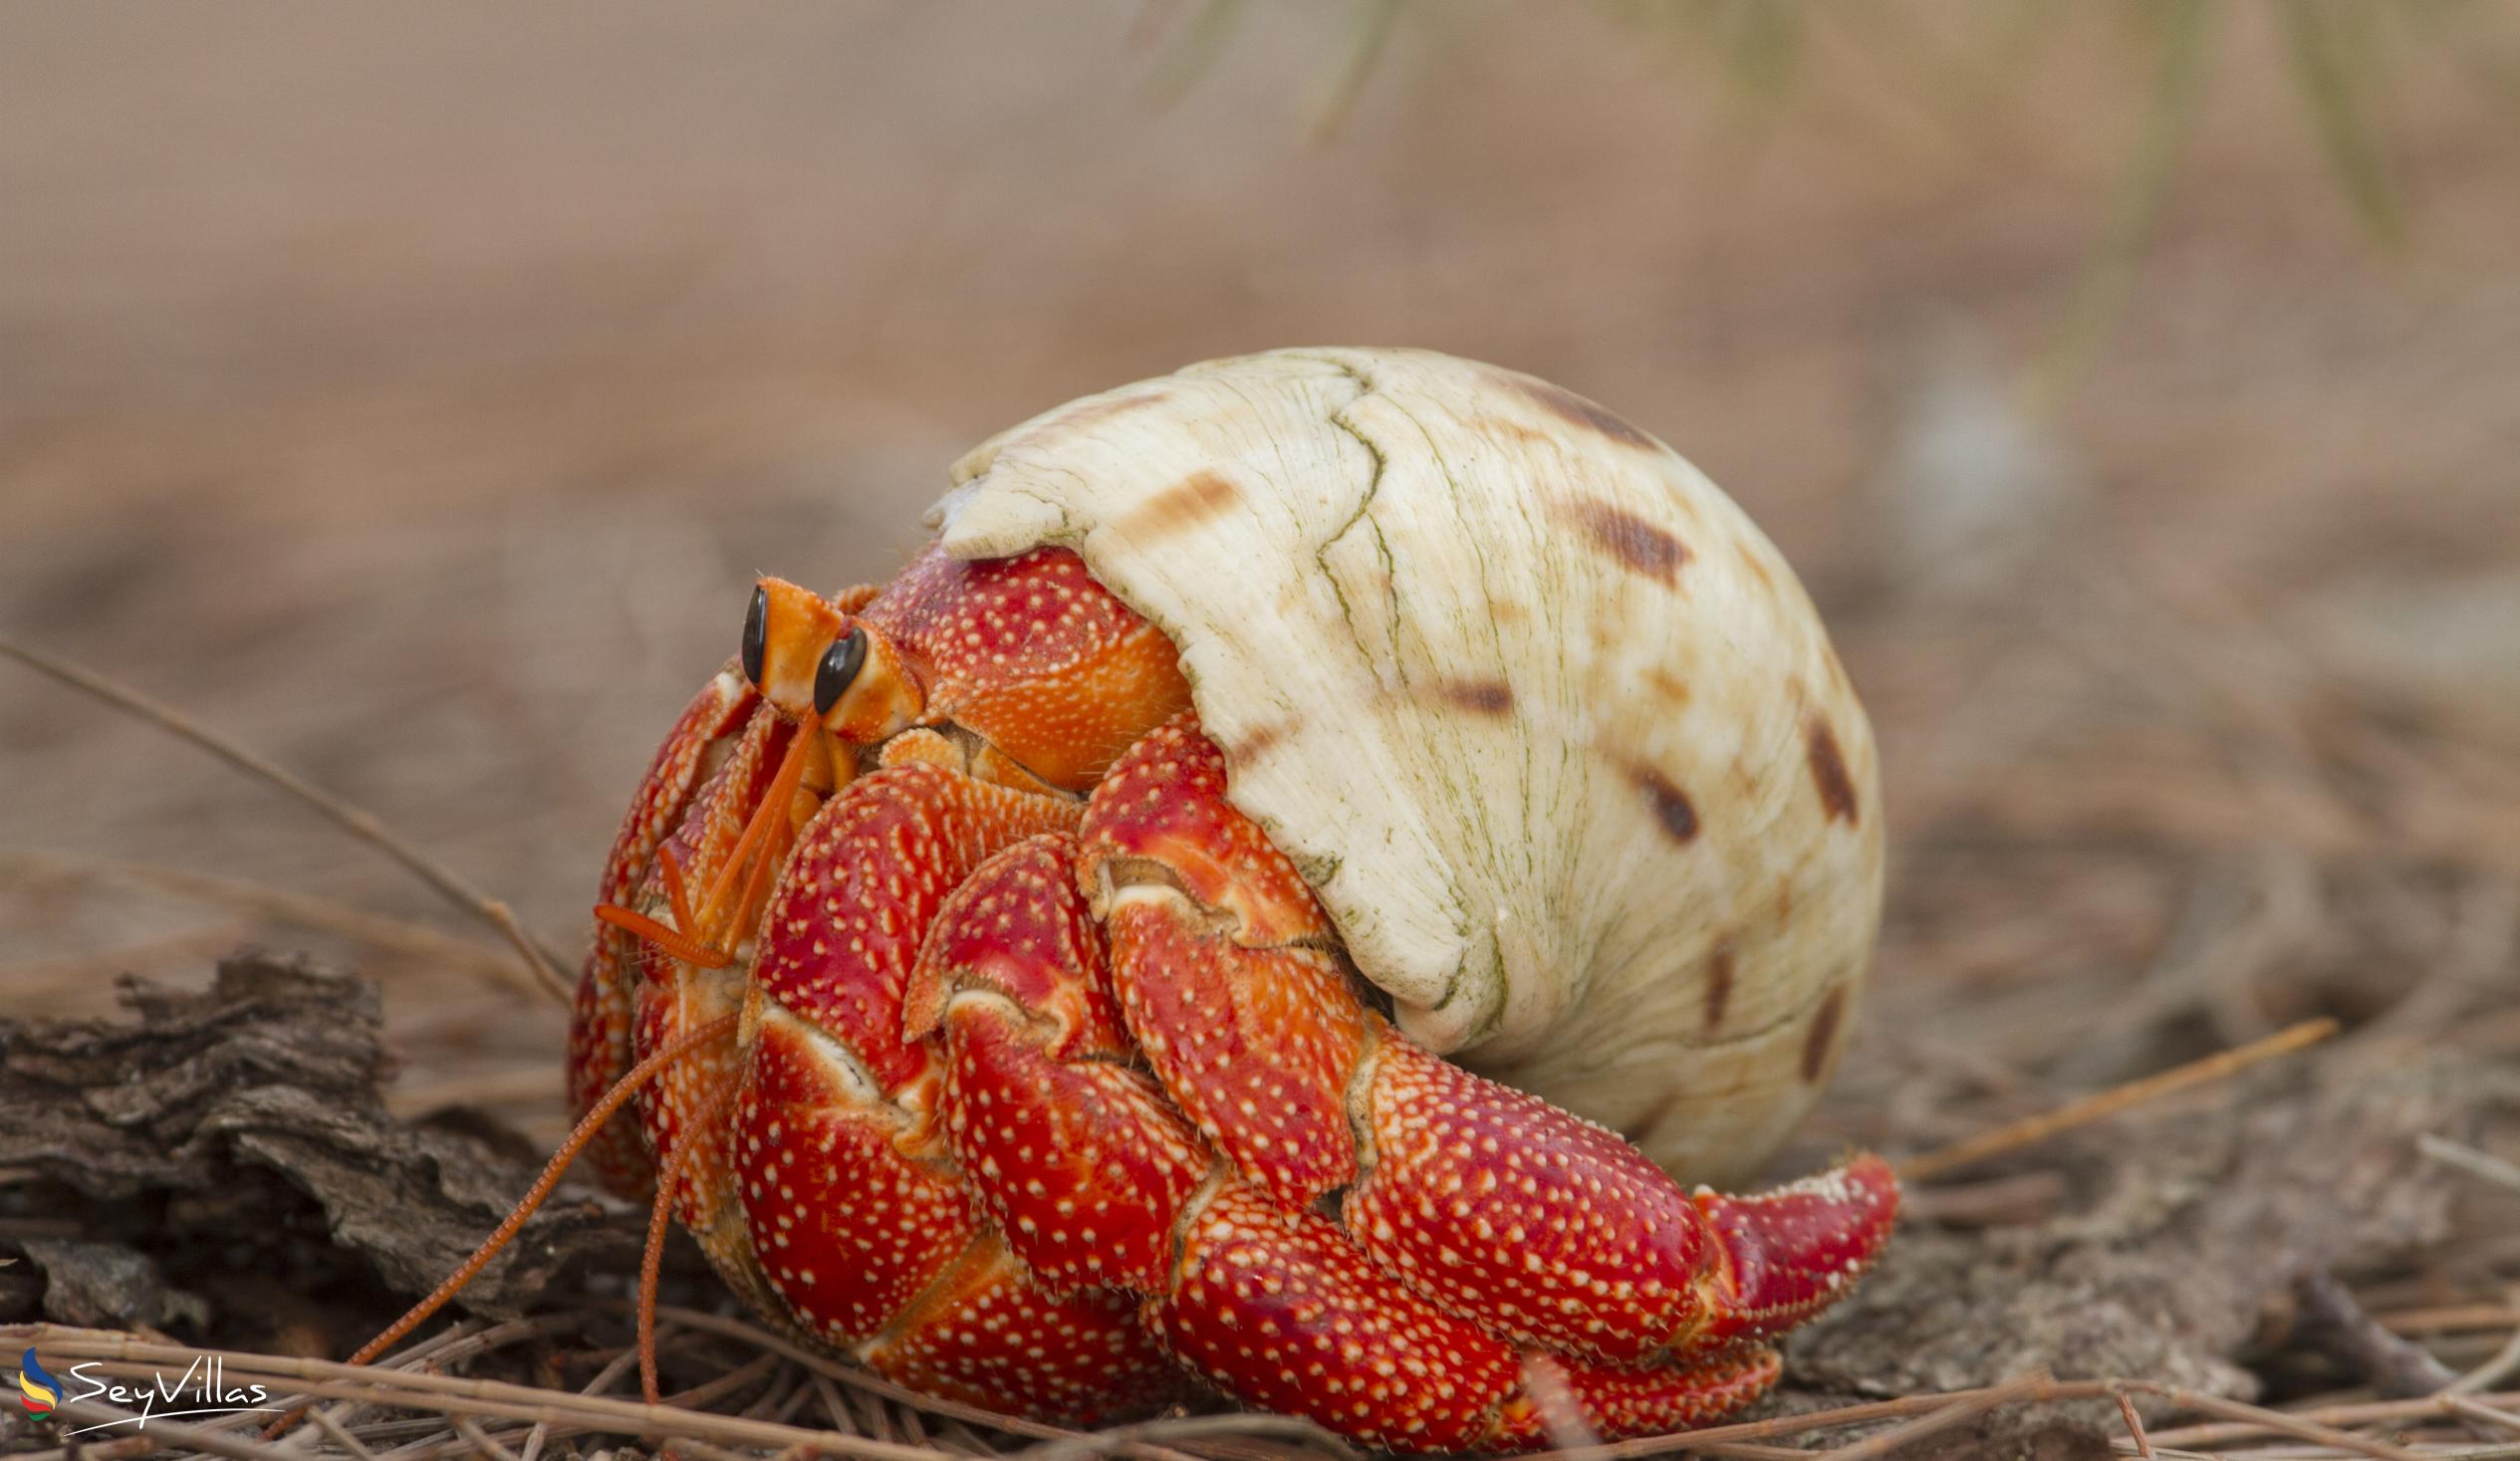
706, 935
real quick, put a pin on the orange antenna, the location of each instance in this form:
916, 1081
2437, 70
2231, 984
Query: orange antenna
677, 893
773, 809
592, 1123
651, 1262
701, 936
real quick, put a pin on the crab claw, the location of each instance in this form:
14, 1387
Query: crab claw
1790, 1252
1557, 1231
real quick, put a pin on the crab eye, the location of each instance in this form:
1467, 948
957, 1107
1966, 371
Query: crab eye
839, 666
756, 634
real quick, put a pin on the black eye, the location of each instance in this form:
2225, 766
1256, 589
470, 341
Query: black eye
756, 634
839, 666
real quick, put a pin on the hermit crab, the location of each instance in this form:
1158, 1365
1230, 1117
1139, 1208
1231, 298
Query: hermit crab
1055, 977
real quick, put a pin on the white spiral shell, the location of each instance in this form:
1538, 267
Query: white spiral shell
1546, 722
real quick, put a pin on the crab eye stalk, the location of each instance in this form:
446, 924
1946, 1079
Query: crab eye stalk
756, 634
839, 669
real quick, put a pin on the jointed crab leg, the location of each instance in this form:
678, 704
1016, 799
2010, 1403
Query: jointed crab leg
599, 1033
1096, 1180
857, 1217
1490, 1202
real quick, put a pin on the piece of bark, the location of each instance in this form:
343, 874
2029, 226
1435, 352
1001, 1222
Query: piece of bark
108, 1286
241, 1131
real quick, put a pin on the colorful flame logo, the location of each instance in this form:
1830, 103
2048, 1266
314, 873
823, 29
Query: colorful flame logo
38, 1391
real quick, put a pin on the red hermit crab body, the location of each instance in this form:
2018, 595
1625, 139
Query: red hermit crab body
1051, 1077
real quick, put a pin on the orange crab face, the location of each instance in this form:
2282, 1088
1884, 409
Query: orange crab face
1027, 655
1049, 1077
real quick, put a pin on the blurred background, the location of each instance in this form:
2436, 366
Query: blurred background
411, 395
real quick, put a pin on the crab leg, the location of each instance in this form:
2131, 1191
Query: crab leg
673, 995
859, 1221
1490, 1202
1096, 1180
599, 1029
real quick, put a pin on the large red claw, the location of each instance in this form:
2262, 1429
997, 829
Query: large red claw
1082, 1164
860, 890
1256, 1045
667, 1004
1792, 1252
847, 1229
1502, 1205
1072, 1151
1163, 813
1018, 928
1561, 1233
1492, 1203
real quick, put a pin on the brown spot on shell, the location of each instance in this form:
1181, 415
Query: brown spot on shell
1568, 407
1828, 769
1719, 973
1195, 499
1668, 685
1507, 611
1511, 429
1260, 742
1479, 697
1820, 1041
1670, 804
1639, 545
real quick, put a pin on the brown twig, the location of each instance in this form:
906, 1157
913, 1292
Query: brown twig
2442, 1318
488, 1450
2502, 1366
356, 820
2282, 1423
604, 1380
341, 1434
629, 1084
199, 1437
1881, 1443
2362, 1413
861, 1379
2491, 1415
2098, 1106
2468, 1160
1191, 1428
2134, 1425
